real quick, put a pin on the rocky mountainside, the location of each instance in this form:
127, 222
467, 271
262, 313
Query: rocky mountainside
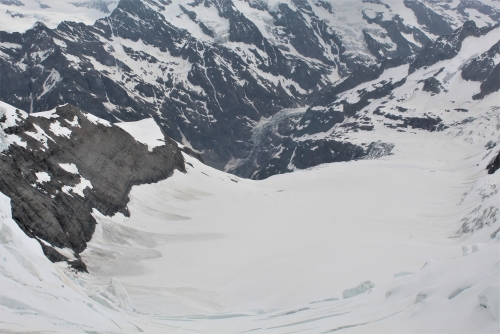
444, 77
215, 74
59, 167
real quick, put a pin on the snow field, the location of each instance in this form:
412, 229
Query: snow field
211, 252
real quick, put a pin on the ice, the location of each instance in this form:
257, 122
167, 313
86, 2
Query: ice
80, 187
52, 80
465, 250
187, 255
12, 115
206, 251
362, 288
51, 13
74, 123
121, 295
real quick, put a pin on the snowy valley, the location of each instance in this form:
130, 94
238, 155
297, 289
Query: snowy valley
250, 166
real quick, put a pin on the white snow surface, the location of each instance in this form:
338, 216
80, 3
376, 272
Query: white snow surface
71, 168
50, 12
46, 114
60, 130
210, 252
96, 120
42, 177
78, 188
145, 131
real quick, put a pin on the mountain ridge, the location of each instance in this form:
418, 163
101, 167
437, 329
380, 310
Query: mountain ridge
210, 92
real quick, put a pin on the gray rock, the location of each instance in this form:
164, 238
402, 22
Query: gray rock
111, 159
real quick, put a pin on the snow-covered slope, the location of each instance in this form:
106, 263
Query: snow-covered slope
19, 16
211, 252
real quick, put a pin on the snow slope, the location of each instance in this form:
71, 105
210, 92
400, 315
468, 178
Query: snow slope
145, 131
21, 15
210, 252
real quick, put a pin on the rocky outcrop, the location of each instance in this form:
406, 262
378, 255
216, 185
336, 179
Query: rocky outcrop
435, 23
480, 6
494, 165
448, 46
67, 164
432, 85
484, 69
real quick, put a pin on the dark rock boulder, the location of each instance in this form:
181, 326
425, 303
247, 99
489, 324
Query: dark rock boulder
494, 165
432, 85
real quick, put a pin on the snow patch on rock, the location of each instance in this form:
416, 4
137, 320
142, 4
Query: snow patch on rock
145, 131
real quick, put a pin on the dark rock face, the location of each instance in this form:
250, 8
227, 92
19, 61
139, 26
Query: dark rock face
448, 46
423, 123
303, 39
359, 75
305, 154
432, 85
491, 84
394, 28
494, 165
425, 16
109, 158
427, 123
276, 149
482, 68
481, 7
212, 106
